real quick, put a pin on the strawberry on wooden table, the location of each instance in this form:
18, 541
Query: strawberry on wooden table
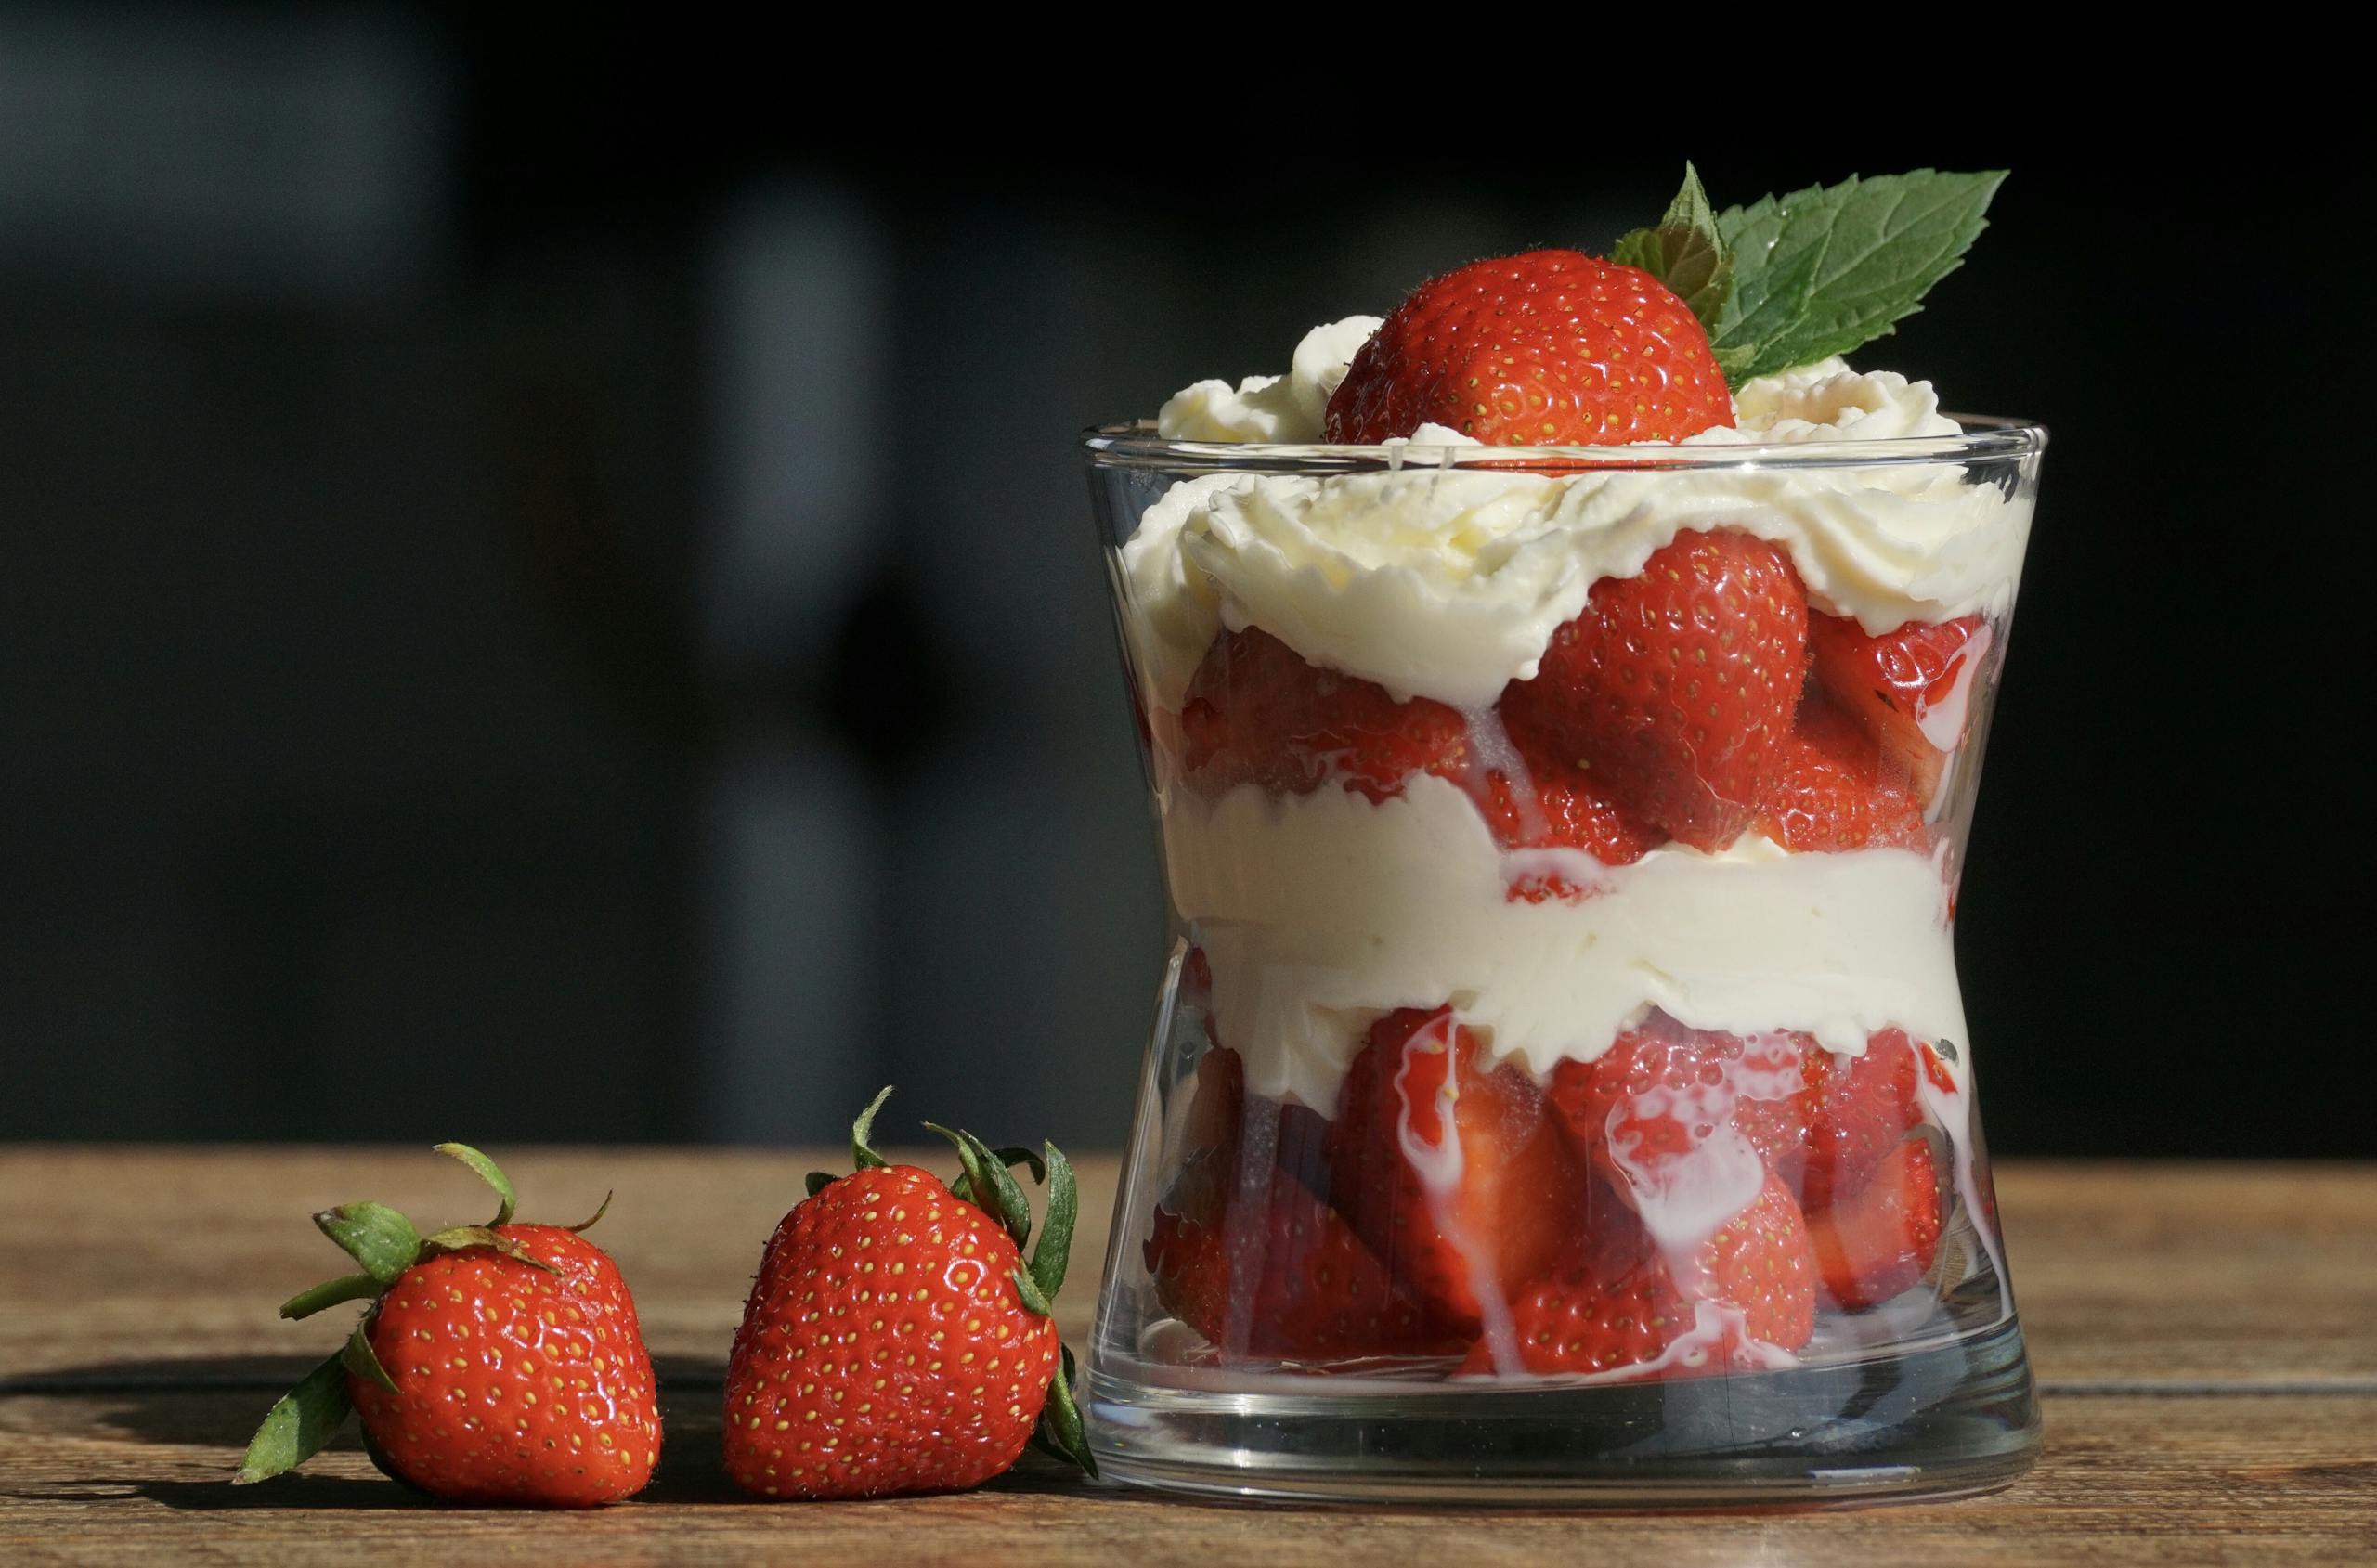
496, 1364
1675, 687
896, 1339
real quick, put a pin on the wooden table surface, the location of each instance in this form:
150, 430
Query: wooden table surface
2205, 1338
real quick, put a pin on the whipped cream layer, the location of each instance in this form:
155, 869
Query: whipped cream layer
1449, 582
1318, 913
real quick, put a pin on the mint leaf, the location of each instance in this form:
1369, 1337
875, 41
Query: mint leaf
1827, 269
1686, 252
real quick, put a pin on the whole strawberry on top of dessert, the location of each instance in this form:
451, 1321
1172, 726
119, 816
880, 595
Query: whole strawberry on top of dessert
897, 1340
1548, 348
500, 1362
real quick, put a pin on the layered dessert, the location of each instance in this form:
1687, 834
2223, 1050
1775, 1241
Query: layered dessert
1561, 754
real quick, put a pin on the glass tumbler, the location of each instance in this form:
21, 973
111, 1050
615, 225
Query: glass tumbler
1559, 1088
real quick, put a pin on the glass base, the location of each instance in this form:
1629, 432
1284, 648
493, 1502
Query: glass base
1943, 1422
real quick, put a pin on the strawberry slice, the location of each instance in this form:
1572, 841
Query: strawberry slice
1757, 1270
1860, 1109
1216, 1103
1880, 1240
1833, 789
1557, 806
1548, 348
1910, 687
1660, 1092
1223, 1119
1310, 1288
1257, 713
1676, 688
1451, 1171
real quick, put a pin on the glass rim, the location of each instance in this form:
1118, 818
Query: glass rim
1134, 444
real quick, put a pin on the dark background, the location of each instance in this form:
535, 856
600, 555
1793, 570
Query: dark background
545, 590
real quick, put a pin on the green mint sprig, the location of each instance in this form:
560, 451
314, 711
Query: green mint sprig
1789, 280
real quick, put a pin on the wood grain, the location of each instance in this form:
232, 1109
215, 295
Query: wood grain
2206, 1335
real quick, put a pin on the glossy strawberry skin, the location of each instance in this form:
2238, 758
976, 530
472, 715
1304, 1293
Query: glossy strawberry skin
1758, 1270
1675, 687
1258, 1265
885, 1348
1892, 684
1659, 1091
1558, 806
1860, 1109
1548, 348
1257, 713
1223, 1117
1831, 790
513, 1384
1515, 1203
1879, 1240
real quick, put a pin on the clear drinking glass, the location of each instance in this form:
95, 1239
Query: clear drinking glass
1488, 1151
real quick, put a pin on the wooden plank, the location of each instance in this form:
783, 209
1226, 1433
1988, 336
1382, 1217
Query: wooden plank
125, 1477
138, 1347
2168, 1275
151, 1256
2179, 1276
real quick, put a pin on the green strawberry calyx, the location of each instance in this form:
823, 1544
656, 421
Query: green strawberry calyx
1790, 280
986, 1179
384, 1244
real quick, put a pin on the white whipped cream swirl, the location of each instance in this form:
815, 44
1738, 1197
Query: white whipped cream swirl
1449, 582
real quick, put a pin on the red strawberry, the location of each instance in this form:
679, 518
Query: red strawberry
1676, 688
1216, 1102
1830, 790
1860, 1109
1908, 688
1659, 1094
1257, 713
896, 1339
1558, 807
1291, 1137
1548, 348
1493, 1189
497, 1364
1274, 1273
1881, 1240
1757, 1271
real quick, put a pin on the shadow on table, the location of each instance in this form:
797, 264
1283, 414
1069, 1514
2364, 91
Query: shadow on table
215, 1404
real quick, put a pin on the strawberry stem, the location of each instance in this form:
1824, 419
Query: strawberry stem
460, 1238
595, 1218
988, 1183
489, 1172
329, 1293
382, 1242
863, 1156
1052, 1253
296, 1428
1059, 1434
359, 1358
